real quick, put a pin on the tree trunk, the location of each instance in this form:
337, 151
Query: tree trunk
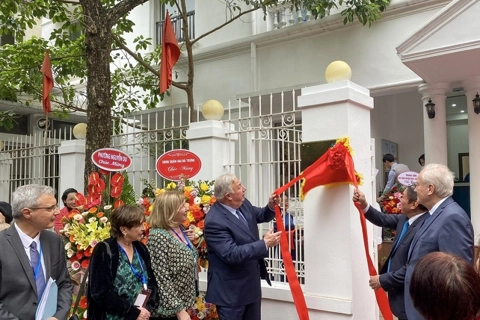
98, 44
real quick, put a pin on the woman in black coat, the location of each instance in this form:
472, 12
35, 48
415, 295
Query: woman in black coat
120, 271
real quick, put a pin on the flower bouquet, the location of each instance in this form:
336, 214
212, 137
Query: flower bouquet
202, 309
391, 204
89, 223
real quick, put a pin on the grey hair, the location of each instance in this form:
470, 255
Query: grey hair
27, 197
223, 185
441, 177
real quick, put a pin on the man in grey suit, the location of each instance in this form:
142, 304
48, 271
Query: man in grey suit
392, 274
446, 228
30, 256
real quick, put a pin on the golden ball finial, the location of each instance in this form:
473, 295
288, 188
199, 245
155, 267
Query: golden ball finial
338, 71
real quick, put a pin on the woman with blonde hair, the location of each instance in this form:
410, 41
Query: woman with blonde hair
174, 258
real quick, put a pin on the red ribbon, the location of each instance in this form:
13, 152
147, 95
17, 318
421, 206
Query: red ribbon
297, 294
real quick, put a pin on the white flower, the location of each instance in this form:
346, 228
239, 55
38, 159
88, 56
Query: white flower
206, 208
139, 202
92, 219
66, 226
108, 207
197, 200
69, 253
85, 315
85, 213
93, 243
201, 315
76, 265
68, 246
104, 219
78, 217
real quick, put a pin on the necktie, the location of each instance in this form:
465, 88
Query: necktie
404, 230
241, 217
36, 264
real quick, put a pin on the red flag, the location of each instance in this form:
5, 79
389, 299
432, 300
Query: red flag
47, 83
334, 167
170, 54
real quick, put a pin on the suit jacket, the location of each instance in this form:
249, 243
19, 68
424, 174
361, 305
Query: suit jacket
235, 255
102, 297
393, 281
448, 230
18, 290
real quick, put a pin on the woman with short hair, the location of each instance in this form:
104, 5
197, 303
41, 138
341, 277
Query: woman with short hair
120, 273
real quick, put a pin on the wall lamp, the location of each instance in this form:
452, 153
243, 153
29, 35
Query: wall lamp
476, 104
431, 109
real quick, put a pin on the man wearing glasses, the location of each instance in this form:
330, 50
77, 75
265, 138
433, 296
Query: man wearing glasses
31, 255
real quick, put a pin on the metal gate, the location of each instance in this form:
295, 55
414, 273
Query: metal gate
267, 139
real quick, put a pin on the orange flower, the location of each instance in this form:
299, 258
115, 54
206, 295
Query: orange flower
72, 238
201, 224
88, 252
198, 214
186, 223
79, 255
92, 210
100, 214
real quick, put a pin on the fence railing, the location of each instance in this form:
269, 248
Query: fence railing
31, 159
177, 23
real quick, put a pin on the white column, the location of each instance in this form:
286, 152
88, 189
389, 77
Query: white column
336, 273
72, 165
435, 130
209, 140
5, 170
472, 87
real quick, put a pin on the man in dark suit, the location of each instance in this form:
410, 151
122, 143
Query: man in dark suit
235, 252
446, 228
392, 274
30, 256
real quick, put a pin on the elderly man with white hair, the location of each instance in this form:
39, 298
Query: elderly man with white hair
447, 228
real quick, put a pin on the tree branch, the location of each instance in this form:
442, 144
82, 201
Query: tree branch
133, 54
122, 8
69, 2
141, 61
223, 25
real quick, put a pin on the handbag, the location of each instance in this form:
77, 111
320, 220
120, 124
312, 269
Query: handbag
74, 315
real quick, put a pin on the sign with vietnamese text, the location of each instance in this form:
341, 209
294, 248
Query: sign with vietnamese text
111, 159
174, 164
408, 178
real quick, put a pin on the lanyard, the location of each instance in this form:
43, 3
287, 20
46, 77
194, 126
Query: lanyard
141, 277
187, 243
36, 270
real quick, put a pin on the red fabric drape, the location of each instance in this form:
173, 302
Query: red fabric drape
334, 167
170, 54
47, 83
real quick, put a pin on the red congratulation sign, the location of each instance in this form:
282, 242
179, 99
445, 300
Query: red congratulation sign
173, 165
111, 159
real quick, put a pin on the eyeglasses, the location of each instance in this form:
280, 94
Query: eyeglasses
48, 209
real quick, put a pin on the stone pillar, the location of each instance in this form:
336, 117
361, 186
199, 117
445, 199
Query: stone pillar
5, 170
336, 273
72, 165
472, 87
435, 130
209, 140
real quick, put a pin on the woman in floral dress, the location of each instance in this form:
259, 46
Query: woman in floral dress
120, 271
174, 258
